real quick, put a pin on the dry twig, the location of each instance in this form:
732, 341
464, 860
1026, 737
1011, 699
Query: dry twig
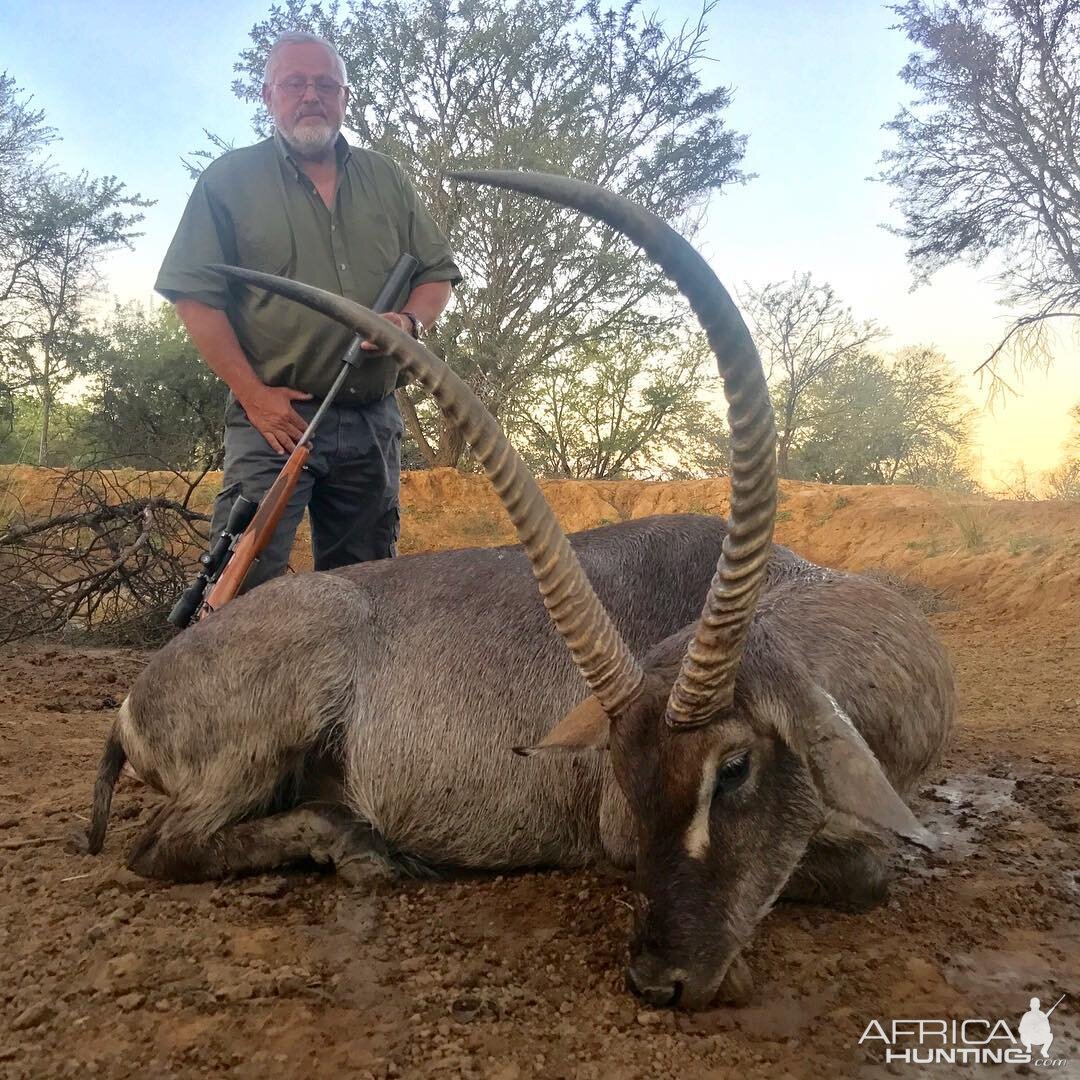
108, 559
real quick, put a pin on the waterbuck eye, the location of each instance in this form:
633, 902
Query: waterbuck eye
732, 773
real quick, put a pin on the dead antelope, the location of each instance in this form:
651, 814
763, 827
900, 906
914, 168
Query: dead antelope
763, 750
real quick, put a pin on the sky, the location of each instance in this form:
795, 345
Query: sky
131, 86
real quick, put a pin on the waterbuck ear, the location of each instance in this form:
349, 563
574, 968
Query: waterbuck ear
585, 727
849, 778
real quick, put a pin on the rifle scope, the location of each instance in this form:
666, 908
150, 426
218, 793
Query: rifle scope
213, 562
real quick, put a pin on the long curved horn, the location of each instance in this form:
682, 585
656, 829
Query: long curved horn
706, 681
603, 658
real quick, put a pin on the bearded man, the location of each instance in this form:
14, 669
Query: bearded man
305, 204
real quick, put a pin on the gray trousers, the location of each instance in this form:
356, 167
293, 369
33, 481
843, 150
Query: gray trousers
349, 487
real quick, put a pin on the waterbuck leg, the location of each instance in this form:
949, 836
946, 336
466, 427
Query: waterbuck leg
854, 878
324, 834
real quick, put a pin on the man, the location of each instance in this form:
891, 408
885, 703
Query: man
1035, 1028
306, 205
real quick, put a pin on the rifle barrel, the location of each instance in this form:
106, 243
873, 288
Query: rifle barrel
1056, 1004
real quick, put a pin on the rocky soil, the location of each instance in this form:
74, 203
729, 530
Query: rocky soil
295, 974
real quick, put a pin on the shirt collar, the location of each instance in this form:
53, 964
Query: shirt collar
341, 148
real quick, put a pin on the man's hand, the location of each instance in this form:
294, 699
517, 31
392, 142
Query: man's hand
269, 408
400, 321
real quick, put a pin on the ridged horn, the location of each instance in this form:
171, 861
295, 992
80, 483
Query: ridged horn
602, 657
706, 681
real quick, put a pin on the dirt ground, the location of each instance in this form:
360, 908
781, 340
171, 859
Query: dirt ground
295, 975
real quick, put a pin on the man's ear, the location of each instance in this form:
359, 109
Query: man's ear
856, 793
585, 727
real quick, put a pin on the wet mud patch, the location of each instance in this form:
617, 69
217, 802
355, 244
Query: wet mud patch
961, 807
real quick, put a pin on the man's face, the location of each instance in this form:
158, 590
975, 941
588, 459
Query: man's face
309, 118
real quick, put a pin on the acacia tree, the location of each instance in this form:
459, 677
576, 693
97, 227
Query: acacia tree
153, 403
54, 230
804, 334
20, 429
1063, 480
872, 420
621, 407
1072, 445
23, 136
605, 96
987, 157
932, 426
78, 221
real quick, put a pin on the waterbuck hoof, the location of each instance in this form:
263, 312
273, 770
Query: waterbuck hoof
365, 870
737, 987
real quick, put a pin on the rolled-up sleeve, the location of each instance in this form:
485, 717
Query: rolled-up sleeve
428, 244
204, 236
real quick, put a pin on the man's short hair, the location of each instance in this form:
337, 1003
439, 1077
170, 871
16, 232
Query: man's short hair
300, 37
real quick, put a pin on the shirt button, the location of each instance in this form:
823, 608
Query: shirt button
342, 266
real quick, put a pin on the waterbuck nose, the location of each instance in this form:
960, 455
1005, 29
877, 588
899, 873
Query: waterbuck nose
648, 979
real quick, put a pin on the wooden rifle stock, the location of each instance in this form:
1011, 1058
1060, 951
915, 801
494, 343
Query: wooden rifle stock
258, 534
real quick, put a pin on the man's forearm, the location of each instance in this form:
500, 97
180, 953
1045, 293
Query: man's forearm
427, 301
213, 335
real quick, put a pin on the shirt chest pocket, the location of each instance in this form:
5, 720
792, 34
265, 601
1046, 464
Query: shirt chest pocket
376, 233
373, 244
266, 244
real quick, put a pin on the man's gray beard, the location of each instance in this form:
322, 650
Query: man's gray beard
309, 140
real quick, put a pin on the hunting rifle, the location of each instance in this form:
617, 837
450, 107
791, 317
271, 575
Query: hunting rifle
251, 524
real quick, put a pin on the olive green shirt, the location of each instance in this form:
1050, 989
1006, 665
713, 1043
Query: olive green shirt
255, 208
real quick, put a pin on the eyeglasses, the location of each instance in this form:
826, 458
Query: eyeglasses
296, 85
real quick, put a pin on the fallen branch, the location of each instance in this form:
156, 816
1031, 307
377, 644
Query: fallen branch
35, 841
108, 563
90, 518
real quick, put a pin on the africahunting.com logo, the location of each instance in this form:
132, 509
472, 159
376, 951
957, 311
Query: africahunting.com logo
968, 1042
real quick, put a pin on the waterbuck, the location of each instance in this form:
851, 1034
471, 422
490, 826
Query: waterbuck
762, 749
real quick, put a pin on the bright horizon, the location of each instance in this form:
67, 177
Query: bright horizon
130, 88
